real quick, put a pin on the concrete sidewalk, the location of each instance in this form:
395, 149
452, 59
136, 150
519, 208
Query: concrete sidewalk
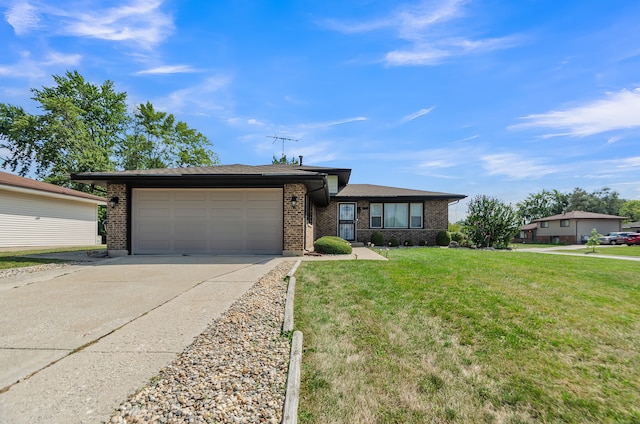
77, 342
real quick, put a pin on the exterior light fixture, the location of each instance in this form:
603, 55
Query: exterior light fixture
294, 201
114, 201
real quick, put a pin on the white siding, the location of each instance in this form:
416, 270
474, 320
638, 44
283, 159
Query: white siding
32, 220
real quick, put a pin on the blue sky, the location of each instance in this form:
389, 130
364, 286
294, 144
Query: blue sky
502, 98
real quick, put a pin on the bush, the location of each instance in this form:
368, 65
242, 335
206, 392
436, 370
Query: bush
443, 238
422, 243
377, 238
394, 242
332, 245
458, 237
408, 243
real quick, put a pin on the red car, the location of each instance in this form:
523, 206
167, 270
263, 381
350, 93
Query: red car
633, 238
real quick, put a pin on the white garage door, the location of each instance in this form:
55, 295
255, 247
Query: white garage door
207, 221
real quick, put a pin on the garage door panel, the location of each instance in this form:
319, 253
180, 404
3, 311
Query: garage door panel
213, 221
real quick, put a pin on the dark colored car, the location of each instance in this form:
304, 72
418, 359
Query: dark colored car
632, 238
614, 238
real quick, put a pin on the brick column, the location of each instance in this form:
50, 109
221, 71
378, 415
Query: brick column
294, 221
117, 221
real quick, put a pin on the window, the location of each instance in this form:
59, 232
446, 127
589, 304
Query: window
376, 215
564, 223
395, 215
544, 224
333, 183
415, 219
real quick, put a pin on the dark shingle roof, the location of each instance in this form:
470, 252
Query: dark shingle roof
256, 170
373, 191
27, 183
578, 215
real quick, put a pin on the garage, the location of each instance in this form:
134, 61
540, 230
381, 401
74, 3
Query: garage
207, 221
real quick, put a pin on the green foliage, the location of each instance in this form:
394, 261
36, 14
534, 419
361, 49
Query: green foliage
631, 210
85, 127
422, 242
284, 161
490, 222
600, 201
459, 237
408, 243
394, 242
332, 245
543, 204
443, 238
594, 241
377, 238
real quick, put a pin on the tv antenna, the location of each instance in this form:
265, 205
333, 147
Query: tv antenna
276, 138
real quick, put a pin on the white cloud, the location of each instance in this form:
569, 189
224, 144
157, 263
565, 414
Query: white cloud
415, 115
514, 166
317, 125
197, 98
617, 111
141, 22
22, 16
167, 69
421, 26
27, 67
632, 162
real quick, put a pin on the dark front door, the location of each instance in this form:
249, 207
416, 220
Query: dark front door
347, 221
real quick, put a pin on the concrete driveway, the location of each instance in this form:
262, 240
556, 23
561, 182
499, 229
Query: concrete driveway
76, 341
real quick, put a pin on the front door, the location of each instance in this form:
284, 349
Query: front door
347, 221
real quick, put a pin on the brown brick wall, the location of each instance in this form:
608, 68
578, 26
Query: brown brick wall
294, 220
117, 218
435, 215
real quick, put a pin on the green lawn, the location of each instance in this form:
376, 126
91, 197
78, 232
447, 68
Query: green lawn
18, 259
453, 335
623, 250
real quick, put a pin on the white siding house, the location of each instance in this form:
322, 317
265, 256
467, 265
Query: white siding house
34, 213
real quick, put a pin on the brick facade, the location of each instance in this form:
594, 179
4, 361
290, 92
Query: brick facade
294, 220
117, 220
435, 217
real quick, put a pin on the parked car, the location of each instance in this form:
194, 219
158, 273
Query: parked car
632, 238
614, 238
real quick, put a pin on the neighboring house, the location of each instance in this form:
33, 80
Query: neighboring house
631, 226
574, 227
34, 213
266, 209
527, 234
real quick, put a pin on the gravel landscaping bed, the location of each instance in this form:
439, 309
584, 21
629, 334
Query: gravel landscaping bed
234, 372
11, 272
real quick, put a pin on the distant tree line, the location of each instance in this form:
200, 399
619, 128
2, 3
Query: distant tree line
493, 223
84, 127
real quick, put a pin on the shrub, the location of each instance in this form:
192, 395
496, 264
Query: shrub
394, 242
443, 238
377, 238
408, 242
332, 245
422, 243
458, 237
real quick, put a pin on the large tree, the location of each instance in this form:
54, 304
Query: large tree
86, 127
158, 141
490, 222
543, 204
631, 210
600, 201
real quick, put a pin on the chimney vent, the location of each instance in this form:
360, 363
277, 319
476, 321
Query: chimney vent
300, 160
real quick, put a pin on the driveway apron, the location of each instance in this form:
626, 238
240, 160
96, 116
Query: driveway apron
75, 344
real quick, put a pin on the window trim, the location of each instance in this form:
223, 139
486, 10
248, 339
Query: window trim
408, 217
544, 224
565, 221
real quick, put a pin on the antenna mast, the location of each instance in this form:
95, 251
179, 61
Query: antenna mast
276, 138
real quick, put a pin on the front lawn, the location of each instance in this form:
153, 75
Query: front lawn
18, 259
453, 335
623, 250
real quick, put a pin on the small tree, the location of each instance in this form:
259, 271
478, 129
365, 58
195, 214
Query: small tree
594, 240
491, 222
